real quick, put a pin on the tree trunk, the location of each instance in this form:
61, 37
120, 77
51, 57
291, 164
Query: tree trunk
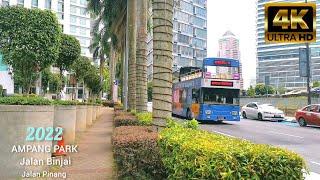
141, 90
102, 64
132, 31
162, 60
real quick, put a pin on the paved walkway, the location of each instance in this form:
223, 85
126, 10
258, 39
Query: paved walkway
94, 159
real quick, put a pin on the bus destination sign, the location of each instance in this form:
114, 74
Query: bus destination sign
222, 83
222, 63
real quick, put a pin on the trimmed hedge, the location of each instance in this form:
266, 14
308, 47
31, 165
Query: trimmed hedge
24, 100
125, 119
136, 153
197, 154
64, 103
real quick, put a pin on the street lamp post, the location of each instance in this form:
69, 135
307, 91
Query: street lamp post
308, 69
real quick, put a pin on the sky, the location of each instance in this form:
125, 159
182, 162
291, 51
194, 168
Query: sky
239, 17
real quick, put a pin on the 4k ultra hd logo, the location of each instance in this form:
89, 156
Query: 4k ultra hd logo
290, 22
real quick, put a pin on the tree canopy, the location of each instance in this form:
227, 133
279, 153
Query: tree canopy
69, 52
29, 41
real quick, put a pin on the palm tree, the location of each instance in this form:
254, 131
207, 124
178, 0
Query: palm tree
141, 55
108, 15
162, 59
132, 29
100, 48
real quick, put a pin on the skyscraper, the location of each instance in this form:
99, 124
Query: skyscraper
229, 48
189, 34
281, 61
72, 16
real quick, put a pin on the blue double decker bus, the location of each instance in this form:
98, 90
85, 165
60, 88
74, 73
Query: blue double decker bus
210, 93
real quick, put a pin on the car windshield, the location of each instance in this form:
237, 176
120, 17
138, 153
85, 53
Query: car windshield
267, 106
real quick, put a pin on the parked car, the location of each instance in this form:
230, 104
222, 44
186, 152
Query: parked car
308, 115
262, 112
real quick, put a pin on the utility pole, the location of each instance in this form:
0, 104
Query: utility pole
308, 69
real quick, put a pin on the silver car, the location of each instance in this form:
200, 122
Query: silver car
259, 111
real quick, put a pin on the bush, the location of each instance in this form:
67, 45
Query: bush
108, 103
197, 154
136, 153
125, 119
78, 103
20, 100
64, 103
193, 124
144, 118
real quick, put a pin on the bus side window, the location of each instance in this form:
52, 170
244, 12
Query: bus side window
195, 95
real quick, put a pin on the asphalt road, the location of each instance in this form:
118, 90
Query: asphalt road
302, 140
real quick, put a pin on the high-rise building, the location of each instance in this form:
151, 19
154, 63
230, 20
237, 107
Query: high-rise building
73, 17
229, 48
281, 61
189, 34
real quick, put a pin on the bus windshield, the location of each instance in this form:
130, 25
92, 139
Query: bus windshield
221, 72
220, 96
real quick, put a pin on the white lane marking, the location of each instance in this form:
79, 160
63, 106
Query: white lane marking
286, 134
224, 134
315, 163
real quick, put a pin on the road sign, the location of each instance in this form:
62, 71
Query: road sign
303, 62
267, 80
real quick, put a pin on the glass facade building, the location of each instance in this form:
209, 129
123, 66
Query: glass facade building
189, 34
281, 61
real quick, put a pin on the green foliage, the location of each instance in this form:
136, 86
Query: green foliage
193, 124
261, 89
133, 112
198, 154
251, 92
81, 67
30, 40
145, 118
1, 90
51, 80
281, 90
316, 84
149, 91
92, 80
69, 52
64, 103
23, 100
136, 153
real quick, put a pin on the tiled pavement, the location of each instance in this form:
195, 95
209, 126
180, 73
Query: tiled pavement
94, 158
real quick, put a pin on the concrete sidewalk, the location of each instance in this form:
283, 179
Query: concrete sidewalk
94, 159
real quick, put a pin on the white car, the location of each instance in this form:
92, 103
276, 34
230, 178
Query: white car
262, 112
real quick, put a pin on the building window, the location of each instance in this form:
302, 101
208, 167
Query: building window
186, 6
73, 29
73, 10
83, 21
83, 51
83, 11
60, 7
83, 31
201, 12
60, 16
48, 4
73, 19
34, 3
20, 2
83, 2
